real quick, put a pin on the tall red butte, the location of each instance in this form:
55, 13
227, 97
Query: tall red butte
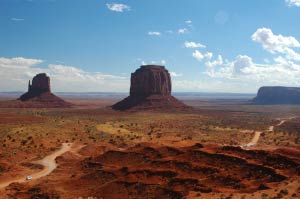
39, 94
150, 89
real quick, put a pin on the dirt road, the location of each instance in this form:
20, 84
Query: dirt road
258, 133
48, 162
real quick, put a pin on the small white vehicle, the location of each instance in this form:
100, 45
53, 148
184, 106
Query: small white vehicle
28, 178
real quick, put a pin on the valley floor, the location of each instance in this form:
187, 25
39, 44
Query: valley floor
217, 150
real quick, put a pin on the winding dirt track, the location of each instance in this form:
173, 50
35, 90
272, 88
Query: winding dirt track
48, 162
258, 133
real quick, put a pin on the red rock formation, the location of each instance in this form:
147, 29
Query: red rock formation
150, 89
150, 80
40, 84
278, 95
39, 94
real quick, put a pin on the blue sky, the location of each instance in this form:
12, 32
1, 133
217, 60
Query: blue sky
94, 45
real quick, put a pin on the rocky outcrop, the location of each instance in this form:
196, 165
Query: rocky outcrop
150, 80
150, 89
40, 84
278, 95
39, 94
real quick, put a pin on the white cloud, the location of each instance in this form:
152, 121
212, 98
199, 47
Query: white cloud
18, 62
240, 63
273, 43
211, 65
277, 43
182, 31
217, 62
154, 33
15, 73
283, 70
244, 70
117, 7
17, 19
200, 56
163, 62
293, 2
174, 74
191, 44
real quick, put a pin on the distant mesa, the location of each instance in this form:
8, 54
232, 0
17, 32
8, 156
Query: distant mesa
150, 89
39, 94
278, 95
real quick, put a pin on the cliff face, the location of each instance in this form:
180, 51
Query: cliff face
278, 95
39, 94
150, 80
40, 83
150, 89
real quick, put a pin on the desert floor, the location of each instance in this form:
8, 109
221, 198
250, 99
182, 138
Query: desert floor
218, 149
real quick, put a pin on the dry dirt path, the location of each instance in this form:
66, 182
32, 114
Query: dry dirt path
257, 134
48, 163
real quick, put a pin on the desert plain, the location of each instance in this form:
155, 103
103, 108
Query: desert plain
215, 149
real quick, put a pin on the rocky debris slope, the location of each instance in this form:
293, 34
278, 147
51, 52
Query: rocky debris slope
278, 95
150, 89
152, 171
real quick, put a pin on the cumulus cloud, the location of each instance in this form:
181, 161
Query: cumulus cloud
272, 42
182, 31
217, 62
243, 69
191, 44
15, 73
277, 43
154, 33
117, 7
293, 2
282, 69
200, 56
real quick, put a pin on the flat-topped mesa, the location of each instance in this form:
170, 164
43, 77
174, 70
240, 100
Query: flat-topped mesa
150, 80
278, 95
150, 89
39, 94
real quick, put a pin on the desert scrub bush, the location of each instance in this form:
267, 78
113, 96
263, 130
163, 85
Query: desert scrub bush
264, 196
284, 192
23, 142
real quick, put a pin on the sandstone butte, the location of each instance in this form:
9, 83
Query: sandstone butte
39, 94
150, 88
